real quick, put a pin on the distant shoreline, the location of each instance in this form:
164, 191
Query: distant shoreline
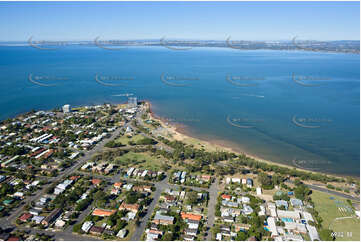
267, 45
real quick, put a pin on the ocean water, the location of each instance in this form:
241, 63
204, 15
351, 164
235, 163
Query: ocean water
292, 107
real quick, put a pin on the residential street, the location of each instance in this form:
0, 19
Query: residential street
213, 194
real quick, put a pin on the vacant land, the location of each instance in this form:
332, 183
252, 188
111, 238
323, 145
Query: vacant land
124, 140
338, 215
142, 160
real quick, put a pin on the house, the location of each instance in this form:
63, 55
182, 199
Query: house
295, 227
163, 219
122, 233
206, 178
191, 216
282, 203
188, 237
170, 198
118, 185
242, 227
272, 226
96, 230
60, 223
245, 200
228, 219
296, 202
25, 217
307, 216
52, 217
289, 237
288, 214
37, 219
249, 182
153, 234
192, 224
130, 207
191, 232
34, 212
226, 197
259, 191
312, 232
103, 212
147, 188
115, 191
13, 238
96, 182
87, 226
247, 210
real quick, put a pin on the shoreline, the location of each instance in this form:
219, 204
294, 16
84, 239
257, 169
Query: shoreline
179, 132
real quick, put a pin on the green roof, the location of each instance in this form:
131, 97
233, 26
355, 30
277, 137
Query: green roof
8, 201
1, 208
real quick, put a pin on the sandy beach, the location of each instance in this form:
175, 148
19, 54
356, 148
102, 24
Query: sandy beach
179, 132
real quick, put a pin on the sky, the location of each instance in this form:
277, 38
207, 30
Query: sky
180, 20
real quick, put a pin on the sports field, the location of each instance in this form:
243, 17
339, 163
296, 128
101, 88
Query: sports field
337, 215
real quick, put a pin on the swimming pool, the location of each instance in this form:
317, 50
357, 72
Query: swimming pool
287, 219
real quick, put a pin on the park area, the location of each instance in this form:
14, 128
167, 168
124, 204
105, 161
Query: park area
338, 215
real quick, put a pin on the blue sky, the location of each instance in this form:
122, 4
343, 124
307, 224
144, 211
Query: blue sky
183, 20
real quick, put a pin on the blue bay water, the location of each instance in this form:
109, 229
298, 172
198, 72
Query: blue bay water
254, 110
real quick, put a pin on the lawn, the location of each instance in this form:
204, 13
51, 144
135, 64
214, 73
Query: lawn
331, 207
124, 139
141, 160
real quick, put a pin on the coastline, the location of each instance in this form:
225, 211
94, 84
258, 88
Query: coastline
179, 132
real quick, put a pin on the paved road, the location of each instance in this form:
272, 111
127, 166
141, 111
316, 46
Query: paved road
213, 194
322, 189
160, 187
8, 221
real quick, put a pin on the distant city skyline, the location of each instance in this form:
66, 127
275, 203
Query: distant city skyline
266, 21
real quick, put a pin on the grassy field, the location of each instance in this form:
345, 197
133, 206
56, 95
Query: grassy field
330, 207
142, 160
124, 139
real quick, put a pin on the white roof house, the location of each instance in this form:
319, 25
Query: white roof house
259, 191
272, 226
87, 226
312, 231
307, 216
288, 214
301, 228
